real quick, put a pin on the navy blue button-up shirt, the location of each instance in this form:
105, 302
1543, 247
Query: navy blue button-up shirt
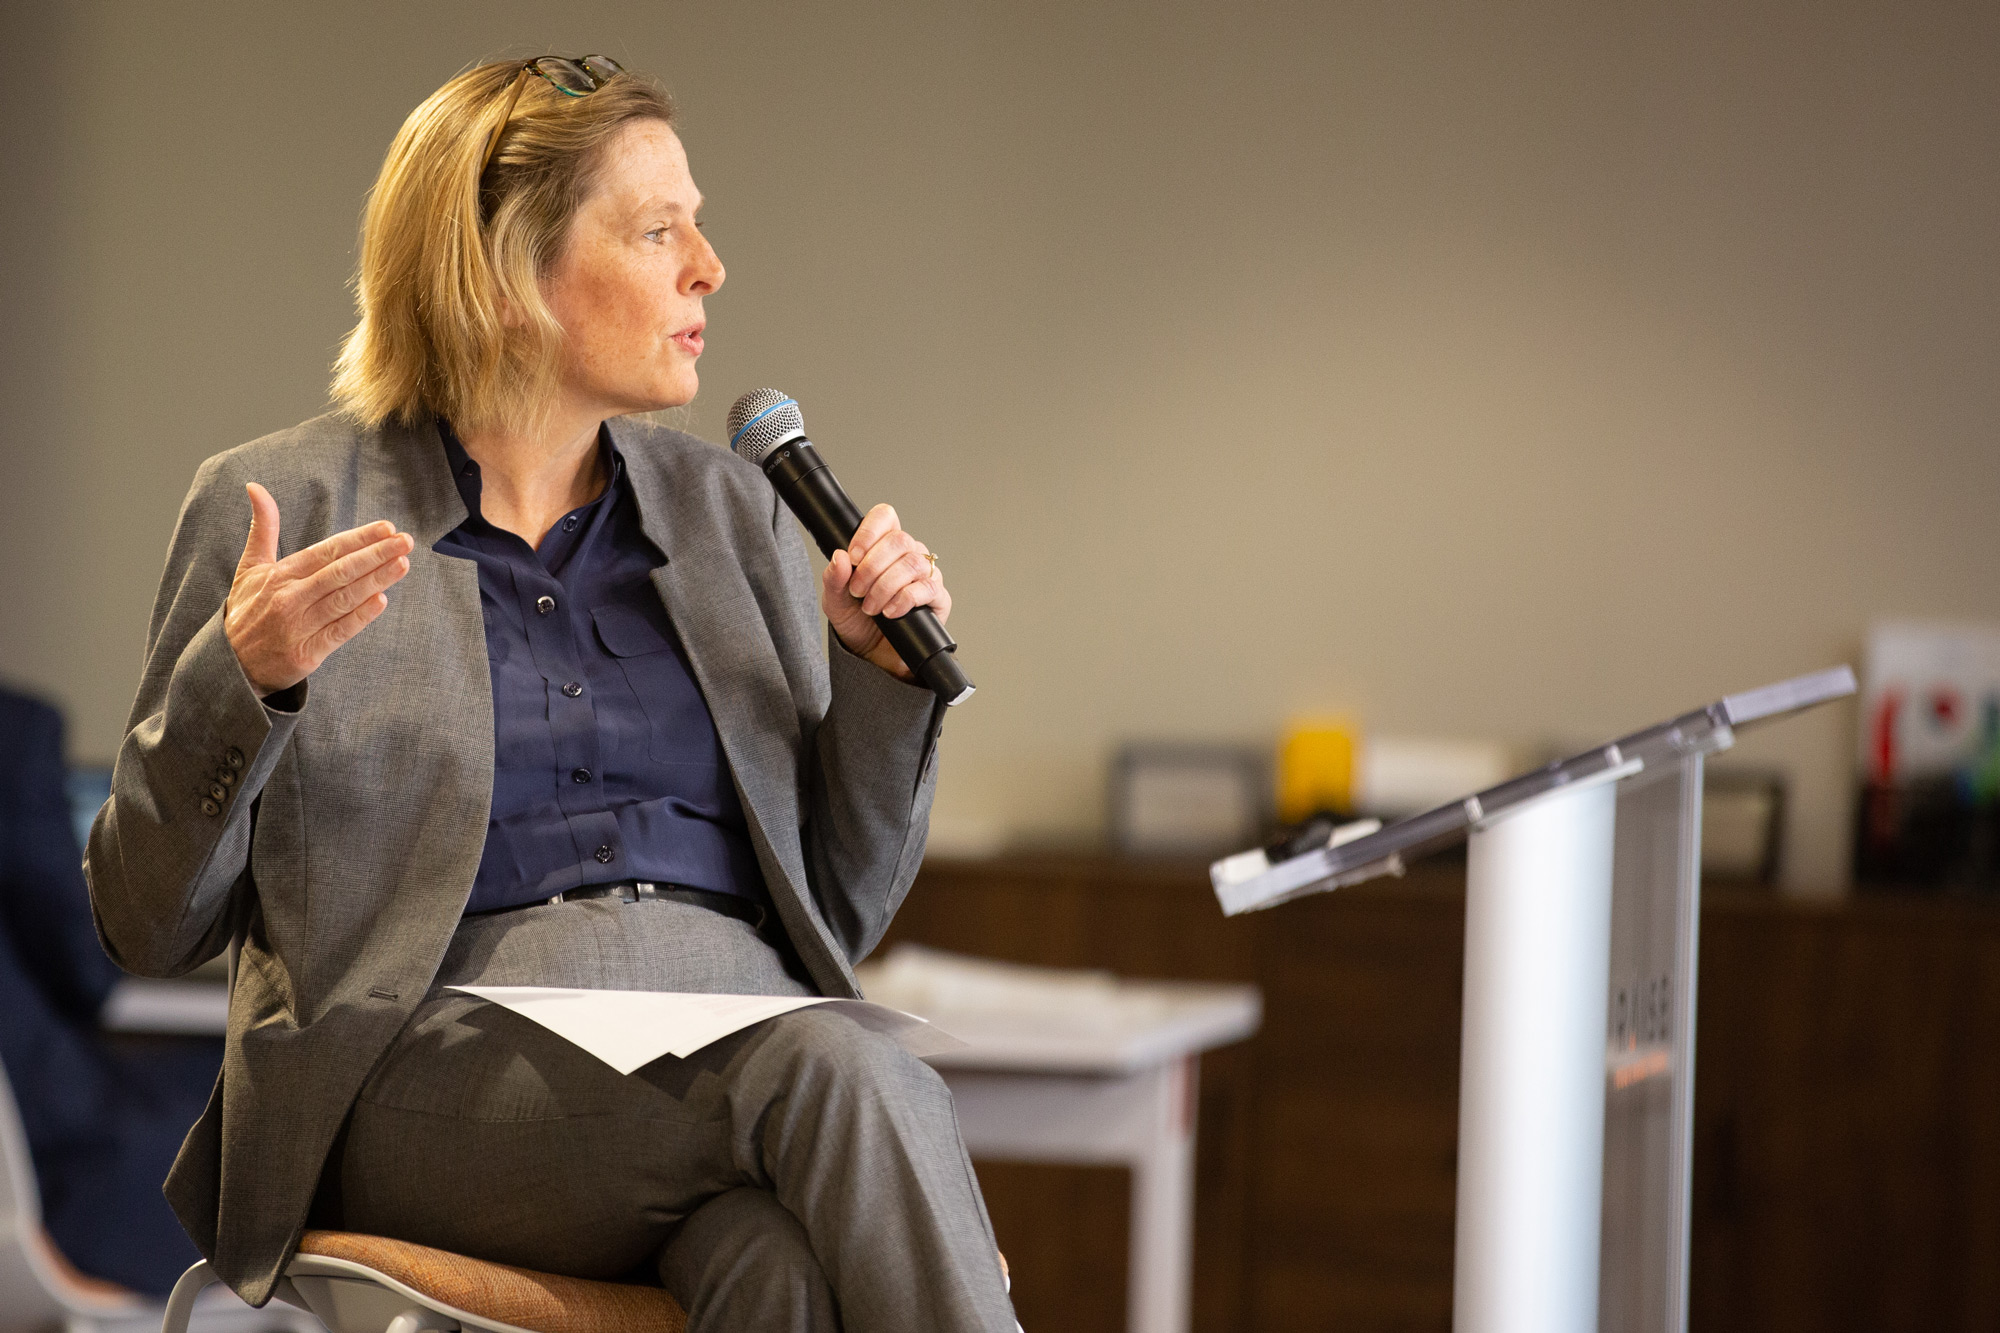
606, 762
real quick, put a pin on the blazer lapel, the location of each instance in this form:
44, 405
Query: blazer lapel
421, 497
729, 646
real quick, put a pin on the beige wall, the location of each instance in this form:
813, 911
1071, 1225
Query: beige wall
1523, 371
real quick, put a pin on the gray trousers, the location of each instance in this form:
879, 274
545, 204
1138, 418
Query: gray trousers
801, 1174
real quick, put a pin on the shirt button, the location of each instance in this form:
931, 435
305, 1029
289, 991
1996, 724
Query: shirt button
604, 855
572, 689
580, 775
545, 604
234, 758
569, 524
210, 806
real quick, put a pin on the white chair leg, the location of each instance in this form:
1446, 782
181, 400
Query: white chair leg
416, 1320
180, 1305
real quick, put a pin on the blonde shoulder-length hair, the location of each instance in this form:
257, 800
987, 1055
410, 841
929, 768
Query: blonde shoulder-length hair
453, 323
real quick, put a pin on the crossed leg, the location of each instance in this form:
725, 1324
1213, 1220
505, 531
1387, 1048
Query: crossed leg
485, 1134
741, 1261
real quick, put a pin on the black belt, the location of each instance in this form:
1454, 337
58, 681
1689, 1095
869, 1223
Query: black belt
638, 890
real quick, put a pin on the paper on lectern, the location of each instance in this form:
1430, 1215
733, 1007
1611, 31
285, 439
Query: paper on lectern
629, 1028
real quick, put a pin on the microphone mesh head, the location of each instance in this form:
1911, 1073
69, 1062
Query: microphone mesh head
762, 420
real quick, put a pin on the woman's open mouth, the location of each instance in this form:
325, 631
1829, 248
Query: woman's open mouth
689, 339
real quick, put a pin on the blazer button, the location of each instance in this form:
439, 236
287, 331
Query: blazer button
226, 776
604, 855
545, 604
579, 775
217, 792
572, 689
210, 806
234, 758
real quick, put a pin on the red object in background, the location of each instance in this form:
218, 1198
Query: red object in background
1947, 707
1882, 738
1881, 815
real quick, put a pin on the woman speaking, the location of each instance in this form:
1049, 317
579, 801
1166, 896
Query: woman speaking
483, 680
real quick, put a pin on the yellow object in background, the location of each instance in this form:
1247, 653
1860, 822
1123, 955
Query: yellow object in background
1316, 763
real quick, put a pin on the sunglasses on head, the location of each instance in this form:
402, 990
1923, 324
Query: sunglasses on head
571, 78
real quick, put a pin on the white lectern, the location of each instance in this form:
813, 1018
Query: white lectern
1576, 1064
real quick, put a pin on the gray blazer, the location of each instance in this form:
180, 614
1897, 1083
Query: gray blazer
340, 840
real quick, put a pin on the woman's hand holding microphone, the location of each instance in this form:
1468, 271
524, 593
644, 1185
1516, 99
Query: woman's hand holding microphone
284, 617
884, 571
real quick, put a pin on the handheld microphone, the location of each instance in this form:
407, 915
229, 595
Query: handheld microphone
767, 428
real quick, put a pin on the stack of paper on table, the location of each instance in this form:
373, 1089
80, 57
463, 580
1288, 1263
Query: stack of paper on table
1012, 1016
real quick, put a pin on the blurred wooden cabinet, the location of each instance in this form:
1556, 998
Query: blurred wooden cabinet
1848, 1102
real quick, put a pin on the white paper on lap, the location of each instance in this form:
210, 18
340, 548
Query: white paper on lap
630, 1028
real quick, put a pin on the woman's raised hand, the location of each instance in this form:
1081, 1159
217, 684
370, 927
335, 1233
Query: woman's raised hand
891, 573
285, 617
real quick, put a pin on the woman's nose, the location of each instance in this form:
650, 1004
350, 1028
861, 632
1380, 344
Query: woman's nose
705, 273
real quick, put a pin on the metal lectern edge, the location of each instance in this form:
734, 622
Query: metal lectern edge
1789, 696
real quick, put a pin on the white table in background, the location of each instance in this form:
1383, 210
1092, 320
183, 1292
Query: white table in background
1110, 1076
181, 1008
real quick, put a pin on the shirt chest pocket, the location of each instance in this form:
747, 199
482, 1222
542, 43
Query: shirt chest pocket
676, 717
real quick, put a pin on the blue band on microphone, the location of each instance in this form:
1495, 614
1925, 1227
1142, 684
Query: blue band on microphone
782, 402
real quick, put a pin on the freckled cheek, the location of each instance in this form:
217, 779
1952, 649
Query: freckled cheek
622, 325
610, 329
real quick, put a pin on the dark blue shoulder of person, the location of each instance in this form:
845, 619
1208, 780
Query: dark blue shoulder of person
42, 894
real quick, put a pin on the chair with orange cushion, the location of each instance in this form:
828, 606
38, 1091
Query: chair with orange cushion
371, 1284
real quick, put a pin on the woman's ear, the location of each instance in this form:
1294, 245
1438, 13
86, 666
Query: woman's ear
509, 309
517, 288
